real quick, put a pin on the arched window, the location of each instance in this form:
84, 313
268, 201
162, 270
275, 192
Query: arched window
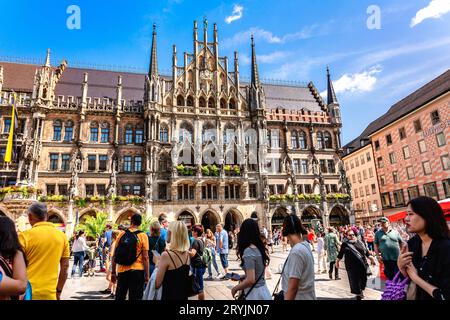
68, 131
164, 134
208, 133
223, 104
294, 140
328, 140
232, 104
302, 140
202, 102
180, 101
320, 140
211, 103
128, 134
57, 127
105, 133
190, 101
94, 132
186, 132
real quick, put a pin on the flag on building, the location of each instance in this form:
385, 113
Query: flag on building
10, 147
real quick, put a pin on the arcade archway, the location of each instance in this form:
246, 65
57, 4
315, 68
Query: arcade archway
233, 220
83, 216
278, 217
57, 220
309, 214
187, 217
209, 220
125, 217
339, 216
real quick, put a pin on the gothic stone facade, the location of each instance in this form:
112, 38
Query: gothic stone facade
85, 133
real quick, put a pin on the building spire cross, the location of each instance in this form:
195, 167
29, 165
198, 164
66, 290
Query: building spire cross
153, 69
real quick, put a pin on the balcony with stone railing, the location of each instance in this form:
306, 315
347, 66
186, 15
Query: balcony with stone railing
7, 99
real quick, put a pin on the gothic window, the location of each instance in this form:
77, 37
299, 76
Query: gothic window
65, 164
103, 159
320, 140
139, 135
128, 134
202, 102
6, 125
186, 132
94, 132
138, 164
302, 140
127, 163
105, 133
68, 131
57, 128
211, 103
209, 133
164, 134
232, 104
190, 101
223, 104
327, 140
294, 140
232, 191
54, 161
180, 101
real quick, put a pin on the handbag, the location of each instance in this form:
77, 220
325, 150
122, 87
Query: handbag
396, 289
279, 296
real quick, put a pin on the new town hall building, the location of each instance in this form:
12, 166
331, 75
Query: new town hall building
96, 141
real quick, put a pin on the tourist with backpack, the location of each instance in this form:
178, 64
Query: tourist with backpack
156, 243
200, 257
13, 272
130, 265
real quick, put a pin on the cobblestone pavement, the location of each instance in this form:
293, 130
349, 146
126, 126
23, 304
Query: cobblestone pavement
326, 289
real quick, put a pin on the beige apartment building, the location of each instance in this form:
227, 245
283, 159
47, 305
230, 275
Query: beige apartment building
361, 172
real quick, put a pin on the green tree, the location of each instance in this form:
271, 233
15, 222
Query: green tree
146, 222
94, 226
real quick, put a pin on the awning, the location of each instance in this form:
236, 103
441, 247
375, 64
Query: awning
445, 205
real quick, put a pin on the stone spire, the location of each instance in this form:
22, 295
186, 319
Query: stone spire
331, 95
255, 76
153, 69
47, 59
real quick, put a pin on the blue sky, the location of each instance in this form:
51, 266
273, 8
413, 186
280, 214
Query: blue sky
295, 40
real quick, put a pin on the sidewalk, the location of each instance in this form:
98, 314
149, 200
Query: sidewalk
326, 289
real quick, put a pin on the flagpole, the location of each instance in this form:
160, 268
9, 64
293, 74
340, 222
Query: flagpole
9, 147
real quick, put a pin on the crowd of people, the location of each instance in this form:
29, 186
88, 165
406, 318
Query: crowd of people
151, 264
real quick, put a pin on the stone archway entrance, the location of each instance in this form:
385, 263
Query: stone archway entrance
125, 218
309, 214
233, 220
339, 216
187, 217
82, 218
278, 217
209, 221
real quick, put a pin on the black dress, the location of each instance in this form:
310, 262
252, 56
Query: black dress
356, 266
434, 268
175, 281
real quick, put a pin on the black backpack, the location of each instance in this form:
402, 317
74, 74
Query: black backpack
126, 250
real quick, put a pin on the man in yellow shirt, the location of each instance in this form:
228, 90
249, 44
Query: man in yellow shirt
130, 264
47, 253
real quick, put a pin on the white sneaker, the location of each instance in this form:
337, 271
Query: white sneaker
219, 276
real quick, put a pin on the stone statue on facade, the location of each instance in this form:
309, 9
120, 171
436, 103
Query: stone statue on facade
112, 189
148, 185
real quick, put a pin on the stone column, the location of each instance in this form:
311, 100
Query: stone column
70, 221
110, 210
326, 215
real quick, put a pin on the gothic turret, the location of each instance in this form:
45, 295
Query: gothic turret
332, 102
153, 84
256, 92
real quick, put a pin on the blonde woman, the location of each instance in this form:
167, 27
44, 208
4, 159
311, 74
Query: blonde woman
112, 286
174, 264
210, 241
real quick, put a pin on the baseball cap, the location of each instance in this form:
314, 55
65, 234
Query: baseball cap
383, 219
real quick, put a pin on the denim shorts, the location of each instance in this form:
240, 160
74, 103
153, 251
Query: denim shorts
224, 260
198, 273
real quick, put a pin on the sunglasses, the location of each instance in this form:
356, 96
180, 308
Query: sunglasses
350, 235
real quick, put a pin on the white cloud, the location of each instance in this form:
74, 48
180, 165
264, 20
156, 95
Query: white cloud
357, 82
236, 14
268, 36
435, 9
